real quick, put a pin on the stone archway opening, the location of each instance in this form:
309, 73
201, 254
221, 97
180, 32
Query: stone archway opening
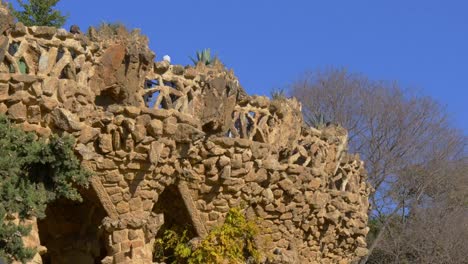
177, 218
71, 231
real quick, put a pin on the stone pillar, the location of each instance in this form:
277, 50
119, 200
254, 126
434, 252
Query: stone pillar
130, 239
32, 240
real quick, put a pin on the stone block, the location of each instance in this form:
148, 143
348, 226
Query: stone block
122, 207
34, 114
135, 234
132, 111
120, 236
105, 143
121, 258
4, 88
88, 134
135, 204
50, 86
137, 244
3, 108
286, 185
43, 31
66, 120
113, 176
155, 128
116, 198
18, 112
126, 246
48, 104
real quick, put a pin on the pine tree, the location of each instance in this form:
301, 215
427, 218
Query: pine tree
33, 173
39, 13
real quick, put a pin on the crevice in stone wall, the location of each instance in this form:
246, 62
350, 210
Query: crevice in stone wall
105, 99
60, 54
71, 231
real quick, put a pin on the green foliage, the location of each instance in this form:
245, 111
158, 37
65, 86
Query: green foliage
33, 173
233, 242
11, 244
204, 57
39, 13
318, 120
173, 246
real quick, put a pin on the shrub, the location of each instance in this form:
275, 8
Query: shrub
33, 173
232, 242
173, 246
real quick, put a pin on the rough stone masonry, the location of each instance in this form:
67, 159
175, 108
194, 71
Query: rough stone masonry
168, 143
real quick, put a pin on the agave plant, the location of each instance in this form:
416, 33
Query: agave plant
204, 56
318, 120
278, 94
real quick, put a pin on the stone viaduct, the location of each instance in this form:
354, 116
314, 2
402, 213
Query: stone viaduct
176, 145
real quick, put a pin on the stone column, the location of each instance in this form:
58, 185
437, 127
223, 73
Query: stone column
130, 239
32, 240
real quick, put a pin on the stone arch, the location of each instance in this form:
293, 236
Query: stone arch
71, 231
178, 209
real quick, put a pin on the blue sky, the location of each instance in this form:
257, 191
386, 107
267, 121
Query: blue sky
270, 43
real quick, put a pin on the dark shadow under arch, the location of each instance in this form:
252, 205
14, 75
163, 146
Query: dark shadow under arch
70, 231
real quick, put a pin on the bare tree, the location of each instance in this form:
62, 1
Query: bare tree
405, 139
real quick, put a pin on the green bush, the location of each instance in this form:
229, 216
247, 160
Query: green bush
33, 173
39, 13
173, 246
233, 242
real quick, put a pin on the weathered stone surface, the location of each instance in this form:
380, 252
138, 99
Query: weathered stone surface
3, 108
4, 87
161, 66
203, 148
6, 20
23, 78
50, 86
34, 114
88, 134
17, 112
188, 133
48, 104
105, 143
43, 32
3, 47
66, 120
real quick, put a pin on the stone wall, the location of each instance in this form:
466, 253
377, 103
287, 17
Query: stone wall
144, 127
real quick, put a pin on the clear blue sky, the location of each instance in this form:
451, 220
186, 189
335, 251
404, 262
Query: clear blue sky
422, 44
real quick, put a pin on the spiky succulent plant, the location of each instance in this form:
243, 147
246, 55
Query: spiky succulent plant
204, 56
318, 120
